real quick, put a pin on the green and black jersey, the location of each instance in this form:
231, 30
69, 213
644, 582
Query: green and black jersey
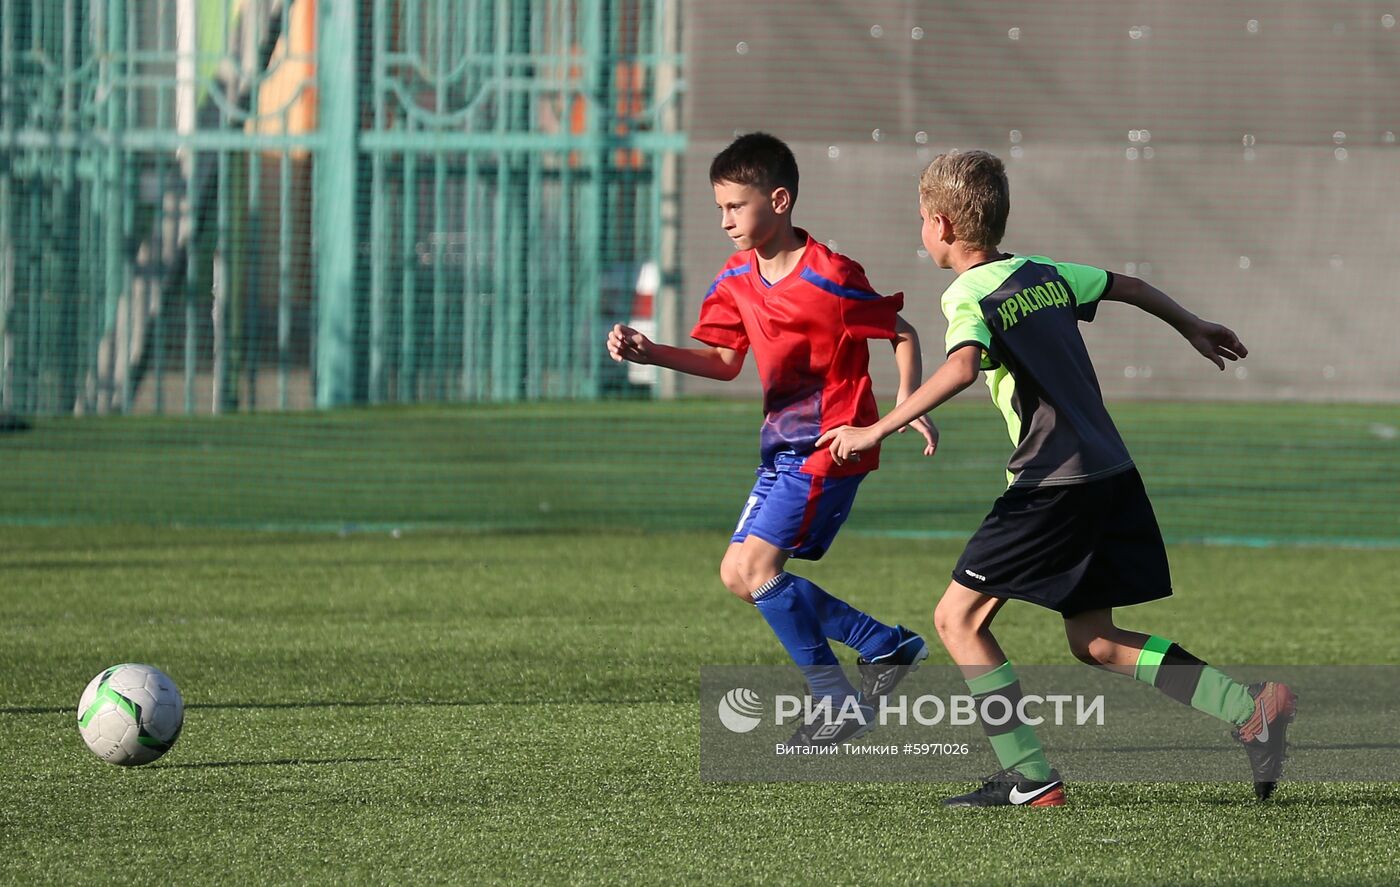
1023, 312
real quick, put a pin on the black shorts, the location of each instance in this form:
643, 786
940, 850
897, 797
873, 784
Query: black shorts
1070, 548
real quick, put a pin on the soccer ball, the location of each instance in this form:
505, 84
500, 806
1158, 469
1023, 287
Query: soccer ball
130, 714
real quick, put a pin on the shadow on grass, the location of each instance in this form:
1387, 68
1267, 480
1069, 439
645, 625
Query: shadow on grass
342, 703
279, 762
1297, 795
241, 560
239, 706
1364, 797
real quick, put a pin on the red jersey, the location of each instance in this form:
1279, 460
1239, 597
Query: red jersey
808, 333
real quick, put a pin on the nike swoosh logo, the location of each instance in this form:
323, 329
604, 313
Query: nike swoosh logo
1019, 797
1263, 729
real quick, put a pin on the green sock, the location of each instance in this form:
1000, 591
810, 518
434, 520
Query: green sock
1015, 743
1191, 682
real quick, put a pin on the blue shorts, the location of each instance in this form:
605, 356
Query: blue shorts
797, 512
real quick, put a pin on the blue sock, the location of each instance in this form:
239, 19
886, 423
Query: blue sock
863, 633
794, 620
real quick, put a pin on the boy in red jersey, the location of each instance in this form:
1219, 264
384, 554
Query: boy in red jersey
806, 312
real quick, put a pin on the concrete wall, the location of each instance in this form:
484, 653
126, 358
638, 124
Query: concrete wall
1264, 192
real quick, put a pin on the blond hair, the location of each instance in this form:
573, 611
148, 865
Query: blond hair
970, 188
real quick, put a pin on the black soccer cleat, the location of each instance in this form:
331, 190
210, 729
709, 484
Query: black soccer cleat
879, 676
1008, 788
821, 730
1264, 735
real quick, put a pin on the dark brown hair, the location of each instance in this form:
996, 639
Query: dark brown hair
759, 160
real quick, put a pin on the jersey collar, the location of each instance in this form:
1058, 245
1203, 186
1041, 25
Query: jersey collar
763, 286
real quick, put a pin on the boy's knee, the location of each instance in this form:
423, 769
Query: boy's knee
945, 623
733, 579
1089, 644
952, 620
1083, 650
1093, 649
742, 571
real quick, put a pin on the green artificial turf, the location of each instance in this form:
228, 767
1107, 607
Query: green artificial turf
1245, 473
450, 706
508, 689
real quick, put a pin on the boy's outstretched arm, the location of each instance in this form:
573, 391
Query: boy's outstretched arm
1217, 343
957, 372
909, 358
625, 343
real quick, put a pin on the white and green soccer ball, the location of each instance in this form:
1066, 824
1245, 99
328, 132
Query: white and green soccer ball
130, 714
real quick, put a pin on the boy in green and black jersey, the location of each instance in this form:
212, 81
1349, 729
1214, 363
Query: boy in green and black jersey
1074, 531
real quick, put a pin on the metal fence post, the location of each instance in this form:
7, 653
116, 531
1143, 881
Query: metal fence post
335, 221
7, 246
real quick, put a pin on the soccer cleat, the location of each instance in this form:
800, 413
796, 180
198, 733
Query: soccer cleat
879, 676
1008, 788
1264, 735
821, 731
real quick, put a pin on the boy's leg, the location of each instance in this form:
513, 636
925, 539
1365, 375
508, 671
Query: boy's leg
1128, 565
798, 515
787, 514
855, 628
963, 619
757, 565
1260, 713
1157, 662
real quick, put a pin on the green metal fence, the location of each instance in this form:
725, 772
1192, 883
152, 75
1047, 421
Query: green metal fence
217, 205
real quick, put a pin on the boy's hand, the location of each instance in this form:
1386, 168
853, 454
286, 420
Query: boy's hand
926, 428
1217, 343
847, 443
625, 343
